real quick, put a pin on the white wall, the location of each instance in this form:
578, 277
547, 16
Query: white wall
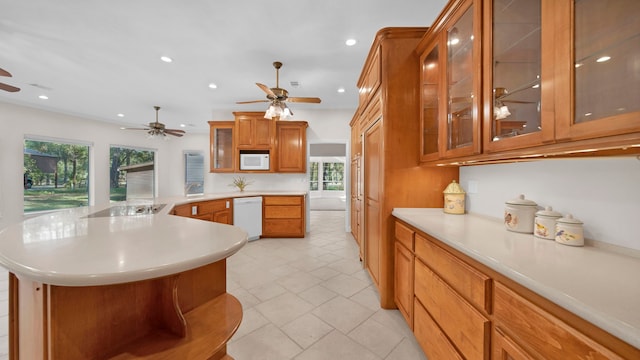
17, 121
602, 192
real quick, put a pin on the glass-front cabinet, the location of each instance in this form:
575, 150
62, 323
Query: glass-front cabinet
431, 111
602, 70
222, 147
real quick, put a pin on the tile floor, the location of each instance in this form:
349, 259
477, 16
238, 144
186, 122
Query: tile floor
303, 299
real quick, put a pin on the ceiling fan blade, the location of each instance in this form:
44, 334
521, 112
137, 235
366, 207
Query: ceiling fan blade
174, 132
266, 89
135, 128
251, 101
9, 88
4, 72
518, 101
312, 100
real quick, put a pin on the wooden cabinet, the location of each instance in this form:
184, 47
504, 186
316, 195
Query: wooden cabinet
530, 95
539, 333
253, 131
220, 211
291, 146
222, 146
403, 274
391, 177
283, 216
465, 310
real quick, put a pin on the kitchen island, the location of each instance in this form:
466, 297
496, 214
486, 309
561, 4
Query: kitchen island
125, 282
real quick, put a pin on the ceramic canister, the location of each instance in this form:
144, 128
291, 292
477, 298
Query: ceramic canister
454, 199
545, 223
519, 214
569, 231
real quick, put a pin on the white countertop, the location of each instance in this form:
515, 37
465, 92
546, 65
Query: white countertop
67, 248
600, 286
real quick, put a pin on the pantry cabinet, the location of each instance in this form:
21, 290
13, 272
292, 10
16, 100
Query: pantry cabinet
389, 161
507, 80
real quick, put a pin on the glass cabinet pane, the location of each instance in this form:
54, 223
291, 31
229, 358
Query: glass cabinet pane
460, 82
607, 58
516, 45
430, 85
223, 148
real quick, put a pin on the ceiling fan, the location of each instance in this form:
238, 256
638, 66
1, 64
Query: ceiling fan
278, 97
7, 87
157, 129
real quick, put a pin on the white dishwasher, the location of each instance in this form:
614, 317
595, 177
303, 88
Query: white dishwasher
247, 215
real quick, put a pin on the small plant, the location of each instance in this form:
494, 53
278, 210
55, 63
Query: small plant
240, 182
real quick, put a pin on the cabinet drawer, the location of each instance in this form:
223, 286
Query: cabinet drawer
433, 342
540, 332
467, 281
209, 207
282, 200
467, 328
282, 212
404, 235
283, 227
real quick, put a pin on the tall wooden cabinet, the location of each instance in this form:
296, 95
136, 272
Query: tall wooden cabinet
391, 177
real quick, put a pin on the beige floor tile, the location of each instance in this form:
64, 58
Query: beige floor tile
284, 308
306, 330
343, 314
376, 337
336, 346
317, 295
265, 343
345, 285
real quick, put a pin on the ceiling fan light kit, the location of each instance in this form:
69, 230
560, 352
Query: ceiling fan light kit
277, 98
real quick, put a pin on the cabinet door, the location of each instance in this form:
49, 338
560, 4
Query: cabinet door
372, 198
432, 80
403, 282
222, 146
244, 131
518, 106
253, 131
292, 147
462, 92
601, 68
505, 349
263, 133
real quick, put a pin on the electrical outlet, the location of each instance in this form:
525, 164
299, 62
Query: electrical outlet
194, 210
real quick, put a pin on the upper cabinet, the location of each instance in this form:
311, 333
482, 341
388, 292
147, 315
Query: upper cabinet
253, 131
291, 146
222, 146
512, 79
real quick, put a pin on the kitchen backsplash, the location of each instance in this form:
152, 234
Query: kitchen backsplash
602, 192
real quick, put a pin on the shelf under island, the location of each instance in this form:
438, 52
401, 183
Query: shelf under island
126, 282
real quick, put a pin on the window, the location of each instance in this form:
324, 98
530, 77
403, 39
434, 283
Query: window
193, 173
331, 178
55, 176
131, 173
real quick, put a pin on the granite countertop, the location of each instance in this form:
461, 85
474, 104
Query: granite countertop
601, 286
122, 242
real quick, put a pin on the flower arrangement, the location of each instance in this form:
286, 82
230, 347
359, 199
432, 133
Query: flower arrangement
240, 182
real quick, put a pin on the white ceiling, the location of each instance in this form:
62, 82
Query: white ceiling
96, 59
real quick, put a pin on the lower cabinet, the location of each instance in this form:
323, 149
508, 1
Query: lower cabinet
283, 216
461, 309
220, 211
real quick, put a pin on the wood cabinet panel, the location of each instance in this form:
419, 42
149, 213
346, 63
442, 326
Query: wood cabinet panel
467, 281
467, 328
283, 228
220, 210
433, 341
505, 349
291, 146
283, 216
403, 282
282, 212
282, 200
541, 333
253, 131
404, 235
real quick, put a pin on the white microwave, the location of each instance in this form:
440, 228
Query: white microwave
254, 161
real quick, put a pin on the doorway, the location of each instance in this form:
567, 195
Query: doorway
328, 177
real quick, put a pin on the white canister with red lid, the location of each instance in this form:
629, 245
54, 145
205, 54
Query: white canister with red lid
519, 214
569, 231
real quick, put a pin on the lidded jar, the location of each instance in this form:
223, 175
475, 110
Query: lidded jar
569, 231
454, 198
519, 214
545, 223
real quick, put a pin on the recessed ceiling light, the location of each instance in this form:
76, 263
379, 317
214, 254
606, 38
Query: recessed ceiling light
166, 59
183, 125
603, 59
341, 90
121, 115
213, 86
43, 97
350, 42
